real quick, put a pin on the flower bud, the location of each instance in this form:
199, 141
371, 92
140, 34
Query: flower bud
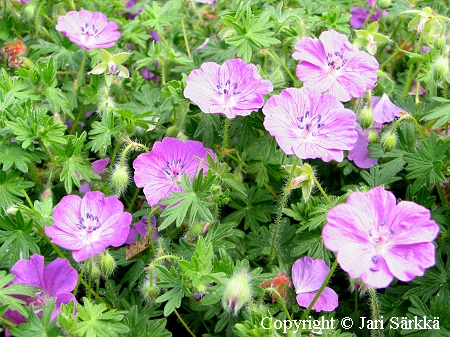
119, 179
237, 293
150, 292
365, 118
194, 231
303, 178
439, 43
172, 131
388, 141
373, 136
439, 69
384, 3
357, 284
107, 264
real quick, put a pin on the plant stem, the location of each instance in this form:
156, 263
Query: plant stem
133, 200
77, 120
153, 264
287, 189
286, 69
80, 277
375, 312
397, 51
96, 295
185, 38
324, 284
184, 323
150, 229
273, 290
79, 76
108, 283
28, 199
89, 278
223, 150
321, 189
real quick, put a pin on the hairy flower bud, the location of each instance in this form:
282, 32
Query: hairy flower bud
172, 131
303, 178
365, 118
373, 136
237, 293
150, 292
439, 43
384, 3
439, 69
107, 264
388, 141
119, 179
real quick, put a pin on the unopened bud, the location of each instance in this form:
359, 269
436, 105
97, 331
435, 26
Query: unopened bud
365, 118
359, 286
195, 230
439, 43
388, 142
172, 131
150, 292
384, 3
106, 263
119, 179
303, 178
373, 136
439, 69
237, 293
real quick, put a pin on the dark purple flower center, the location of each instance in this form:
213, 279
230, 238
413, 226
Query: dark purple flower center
39, 301
88, 30
310, 124
89, 223
113, 69
227, 91
379, 237
174, 170
336, 61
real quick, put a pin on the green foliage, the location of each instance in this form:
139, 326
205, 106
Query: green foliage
17, 238
8, 293
250, 35
96, 321
191, 200
12, 188
102, 132
13, 154
39, 326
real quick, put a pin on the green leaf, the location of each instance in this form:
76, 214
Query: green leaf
17, 238
102, 133
384, 174
8, 293
38, 326
11, 188
426, 164
96, 321
13, 154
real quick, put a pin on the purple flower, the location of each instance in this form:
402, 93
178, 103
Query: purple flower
88, 30
360, 153
377, 239
57, 280
332, 63
235, 88
89, 225
141, 228
160, 170
384, 111
310, 124
359, 16
308, 276
99, 167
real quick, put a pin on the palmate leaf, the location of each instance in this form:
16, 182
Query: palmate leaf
38, 326
141, 325
157, 17
102, 132
17, 238
8, 291
426, 164
192, 200
11, 188
13, 154
95, 321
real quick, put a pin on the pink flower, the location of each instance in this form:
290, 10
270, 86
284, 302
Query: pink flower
384, 111
332, 63
360, 153
88, 30
160, 170
308, 276
310, 124
377, 239
359, 16
57, 280
99, 167
235, 88
89, 225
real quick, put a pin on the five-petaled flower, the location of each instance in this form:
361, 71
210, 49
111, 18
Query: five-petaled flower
57, 280
235, 88
308, 276
160, 170
310, 124
90, 30
333, 64
89, 225
377, 239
